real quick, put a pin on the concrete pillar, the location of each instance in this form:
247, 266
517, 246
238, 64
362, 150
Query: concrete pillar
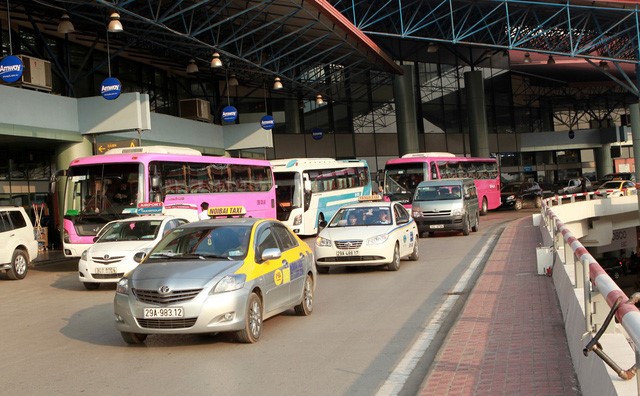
405, 104
64, 155
604, 162
478, 131
634, 111
292, 115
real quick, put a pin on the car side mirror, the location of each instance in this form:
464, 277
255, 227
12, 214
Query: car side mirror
138, 257
322, 224
95, 238
271, 254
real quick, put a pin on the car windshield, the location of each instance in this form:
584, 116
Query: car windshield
611, 185
438, 193
229, 242
354, 217
511, 188
134, 230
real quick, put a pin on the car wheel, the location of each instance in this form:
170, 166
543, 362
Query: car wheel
19, 265
306, 305
91, 285
322, 269
538, 202
415, 254
252, 321
133, 338
616, 275
484, 209
518, 204
466, 227
476, 226
394, 265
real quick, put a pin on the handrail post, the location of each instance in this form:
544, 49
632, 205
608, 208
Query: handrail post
587, 295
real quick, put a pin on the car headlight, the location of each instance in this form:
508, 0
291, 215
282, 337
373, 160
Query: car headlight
123, 286
378, 239
324, 242
83, 256
230, 283
416, 213
457, 212
297, 220
511, 197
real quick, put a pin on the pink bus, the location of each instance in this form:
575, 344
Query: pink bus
402, 175
102, 188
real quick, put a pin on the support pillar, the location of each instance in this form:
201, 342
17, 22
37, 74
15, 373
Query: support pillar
604, 162
405, 105
478, 131
634, 110
292, 116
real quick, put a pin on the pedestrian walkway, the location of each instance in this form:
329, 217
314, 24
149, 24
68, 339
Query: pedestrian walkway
509, 338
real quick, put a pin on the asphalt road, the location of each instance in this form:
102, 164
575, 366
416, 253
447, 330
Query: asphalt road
58, 338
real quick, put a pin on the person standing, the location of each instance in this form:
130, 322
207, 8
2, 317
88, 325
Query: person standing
204, 215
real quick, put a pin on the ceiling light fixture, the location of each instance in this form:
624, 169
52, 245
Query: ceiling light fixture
551, 61
216, 62
192, 67
65, 26
277, 84
115, 26
527, 57
319, 100
604, 65
233, 81
432, 48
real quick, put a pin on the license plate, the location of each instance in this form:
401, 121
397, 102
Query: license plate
155, 313
346, 252
436, 226
106, 270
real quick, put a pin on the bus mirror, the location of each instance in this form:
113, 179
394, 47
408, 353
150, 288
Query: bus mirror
322, 224
307, 185
155, 182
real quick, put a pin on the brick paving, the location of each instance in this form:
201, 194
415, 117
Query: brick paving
509, 338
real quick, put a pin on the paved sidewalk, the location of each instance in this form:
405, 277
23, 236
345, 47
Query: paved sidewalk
509, 339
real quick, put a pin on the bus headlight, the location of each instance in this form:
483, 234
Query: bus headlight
297, 220
378, 239
324, 242
65, 235
417, 214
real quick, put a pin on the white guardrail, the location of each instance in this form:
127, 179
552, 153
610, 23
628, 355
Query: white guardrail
597, 285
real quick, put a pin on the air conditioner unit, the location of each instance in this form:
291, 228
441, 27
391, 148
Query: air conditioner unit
195, 109
37, 73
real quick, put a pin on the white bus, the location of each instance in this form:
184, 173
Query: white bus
310, 190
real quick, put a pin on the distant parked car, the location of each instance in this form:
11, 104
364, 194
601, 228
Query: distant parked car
578, 185
618, 176
18, 245
612, 266
516, 195
616, 188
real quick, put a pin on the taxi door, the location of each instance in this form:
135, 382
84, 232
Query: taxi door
407, 235
275, 273
295, 256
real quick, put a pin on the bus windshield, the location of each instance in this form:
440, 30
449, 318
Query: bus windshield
105, 190
401, 180
289, 193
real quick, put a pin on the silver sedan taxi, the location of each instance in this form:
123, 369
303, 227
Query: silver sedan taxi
370, 232
219, 275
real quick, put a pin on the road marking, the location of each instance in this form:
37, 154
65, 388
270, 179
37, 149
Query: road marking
400, 374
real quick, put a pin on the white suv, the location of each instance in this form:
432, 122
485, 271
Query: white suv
18, 244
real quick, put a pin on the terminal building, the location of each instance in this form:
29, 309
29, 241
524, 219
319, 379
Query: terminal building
371, 81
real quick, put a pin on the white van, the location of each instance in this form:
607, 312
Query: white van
446, 205
18, 244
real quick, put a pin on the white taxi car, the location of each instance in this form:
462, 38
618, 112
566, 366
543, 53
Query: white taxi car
616, 188
117, 247
370, 232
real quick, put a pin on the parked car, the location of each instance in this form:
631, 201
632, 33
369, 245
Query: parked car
367, 233
616, 188
612, 266
631, 176
517, 195
18, 244
117, 247
574, 186
219, 275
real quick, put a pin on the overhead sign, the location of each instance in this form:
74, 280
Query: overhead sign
110, 88
267, 122
229, 114
103, 147
11, 69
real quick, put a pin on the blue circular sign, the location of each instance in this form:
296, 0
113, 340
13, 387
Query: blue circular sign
110, 88
11, 69
317, 133
267, 122
229, 114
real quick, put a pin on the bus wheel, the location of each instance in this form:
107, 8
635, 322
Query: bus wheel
485, 207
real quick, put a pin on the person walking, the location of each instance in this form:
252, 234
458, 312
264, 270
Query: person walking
204, 215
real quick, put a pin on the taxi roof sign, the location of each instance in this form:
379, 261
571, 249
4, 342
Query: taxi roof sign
145, 208
369, 198
227, 211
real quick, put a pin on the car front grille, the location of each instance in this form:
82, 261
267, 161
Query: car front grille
108, 276
435, 213
175, 296
352, 244
181, 323
107, 260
